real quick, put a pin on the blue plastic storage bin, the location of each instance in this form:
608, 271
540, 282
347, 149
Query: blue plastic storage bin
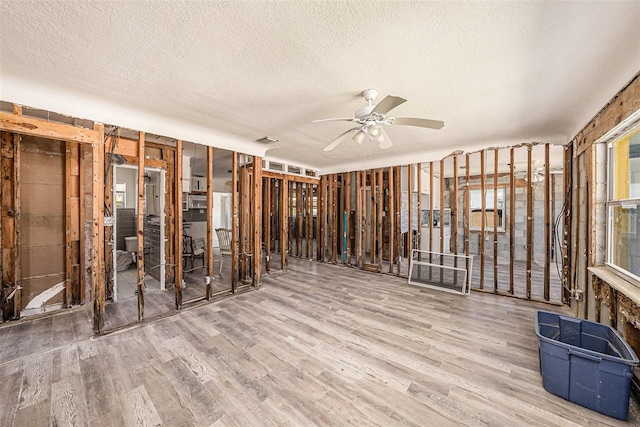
585, 362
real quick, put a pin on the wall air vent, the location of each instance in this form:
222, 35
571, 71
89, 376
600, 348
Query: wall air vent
294, 170
283, 168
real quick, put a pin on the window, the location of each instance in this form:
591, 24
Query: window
623, 206
475, 209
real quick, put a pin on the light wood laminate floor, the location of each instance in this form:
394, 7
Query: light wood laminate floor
316, 345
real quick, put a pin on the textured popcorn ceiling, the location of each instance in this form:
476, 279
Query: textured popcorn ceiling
226, 74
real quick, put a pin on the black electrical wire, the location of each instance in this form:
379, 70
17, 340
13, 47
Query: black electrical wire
556, 224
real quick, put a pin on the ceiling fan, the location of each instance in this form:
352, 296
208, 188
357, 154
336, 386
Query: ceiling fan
370, 120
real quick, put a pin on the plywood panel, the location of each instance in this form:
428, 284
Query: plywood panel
42, 260
42, 236
42, 230
32, 287
43, 199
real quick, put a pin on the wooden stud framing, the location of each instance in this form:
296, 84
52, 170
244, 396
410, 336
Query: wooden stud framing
284, 223
398, 191
10, 265
178, 226
483, 220
419, 202
82, 215
547, 223
322, 219
379, 207
441, 212
590, 220
431, 214
257, 221
566, 234
334, 219
512, 215
235, 232
140, 227
454, 210
466, 207
266, 184
347, 209
18, 124
529, 219
357, 224
97, 231
410, 207
392, 216
210, 226
363, 217
495, 220
372, 227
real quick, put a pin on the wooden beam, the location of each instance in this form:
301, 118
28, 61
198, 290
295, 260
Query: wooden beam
284, 223
321, 221
299, 214
357, 224
67, 224
442, 175
267, 222
17, 109
82, 215
547, 224
334, 218
380, 182
529, 220
392, 219
234, 222
97, 232
566, 231
10, 195
495, 220
419, 201
22, 125
363, 218
210, 226
398, 202
257, 221
454, 210
373, 226
309, 219
347, 209
178, 273
512, 216
140, 227
431, 214
467, 210
410, 207
483, 220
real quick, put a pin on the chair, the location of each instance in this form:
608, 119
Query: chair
224, 240
198, 250
191, 250
187, 250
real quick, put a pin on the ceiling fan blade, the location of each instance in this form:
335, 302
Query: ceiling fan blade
333, 144
387, 104
332, 120
386, 142
413, 121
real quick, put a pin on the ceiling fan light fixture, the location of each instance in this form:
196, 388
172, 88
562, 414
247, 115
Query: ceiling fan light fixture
359, 136
375, 133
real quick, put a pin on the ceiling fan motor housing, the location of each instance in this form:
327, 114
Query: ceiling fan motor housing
369, 94
363, 112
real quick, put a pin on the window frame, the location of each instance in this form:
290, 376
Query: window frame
612, 203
